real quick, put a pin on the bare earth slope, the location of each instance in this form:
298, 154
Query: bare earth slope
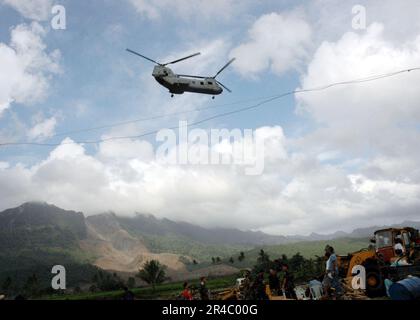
115, 249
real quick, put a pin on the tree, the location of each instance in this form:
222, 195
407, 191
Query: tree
231, 260
263, 262
131, 282
241, 256
218, 259
263, 257
213, 260
31, 286
297, 262
195, 262
153, 273
7, 284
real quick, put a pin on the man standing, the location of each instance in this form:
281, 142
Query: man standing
288, 284
274, 282
204, 292
331, 278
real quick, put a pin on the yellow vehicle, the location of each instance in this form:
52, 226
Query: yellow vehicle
379, 259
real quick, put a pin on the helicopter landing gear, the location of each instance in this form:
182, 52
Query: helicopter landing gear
213, 97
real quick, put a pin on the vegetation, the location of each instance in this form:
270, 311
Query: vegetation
161, 291
308, 250
152, 273
187, 247
105, 281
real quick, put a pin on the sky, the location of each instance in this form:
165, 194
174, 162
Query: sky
337, 159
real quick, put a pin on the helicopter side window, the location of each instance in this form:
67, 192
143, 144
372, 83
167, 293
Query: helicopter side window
202, 83
210, 83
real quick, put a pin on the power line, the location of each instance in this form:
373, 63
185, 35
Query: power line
220, 115
155, 117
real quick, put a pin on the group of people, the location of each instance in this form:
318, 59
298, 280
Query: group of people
187, 293
279, 285
280, 282
284, 287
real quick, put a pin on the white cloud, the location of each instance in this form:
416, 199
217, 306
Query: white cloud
26, 66
277, 42
296, 193
200, 10
43, 129
379, 115
32, 9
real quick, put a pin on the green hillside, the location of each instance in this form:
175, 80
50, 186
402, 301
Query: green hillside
187, 247
308, 249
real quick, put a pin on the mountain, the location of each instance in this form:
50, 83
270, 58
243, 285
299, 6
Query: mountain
38, 234
38, 225
148, 224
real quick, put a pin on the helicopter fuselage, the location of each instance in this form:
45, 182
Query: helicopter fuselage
178, 85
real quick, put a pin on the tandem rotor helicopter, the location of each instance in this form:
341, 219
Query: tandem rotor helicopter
180, 83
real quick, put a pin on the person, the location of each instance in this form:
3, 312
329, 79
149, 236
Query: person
246, 286
128, 295
288, 284
186, 293
331, 278
274, 282
204, 292
398, 247
259, 287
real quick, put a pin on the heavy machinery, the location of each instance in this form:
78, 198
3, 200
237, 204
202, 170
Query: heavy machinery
381, 260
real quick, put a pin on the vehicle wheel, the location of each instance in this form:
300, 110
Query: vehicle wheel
375, 286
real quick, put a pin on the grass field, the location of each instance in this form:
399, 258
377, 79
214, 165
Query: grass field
164, 291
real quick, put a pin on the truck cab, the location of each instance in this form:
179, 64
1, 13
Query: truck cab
386, 239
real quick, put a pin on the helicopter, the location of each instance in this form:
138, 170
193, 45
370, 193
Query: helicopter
180, 83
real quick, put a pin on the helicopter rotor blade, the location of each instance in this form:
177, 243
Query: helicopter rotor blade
182, 59
144, 57
230, 91
226, 65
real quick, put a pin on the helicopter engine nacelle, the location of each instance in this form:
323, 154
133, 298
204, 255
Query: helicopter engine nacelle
161, 71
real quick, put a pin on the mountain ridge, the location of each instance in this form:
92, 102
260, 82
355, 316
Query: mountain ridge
150, 224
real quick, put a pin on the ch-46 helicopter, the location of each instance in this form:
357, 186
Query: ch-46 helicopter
180, 83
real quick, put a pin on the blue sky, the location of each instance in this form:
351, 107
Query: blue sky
99, 73
337, 156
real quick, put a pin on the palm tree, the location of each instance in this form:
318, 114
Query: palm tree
153, 273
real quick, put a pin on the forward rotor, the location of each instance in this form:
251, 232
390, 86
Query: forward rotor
163, 64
